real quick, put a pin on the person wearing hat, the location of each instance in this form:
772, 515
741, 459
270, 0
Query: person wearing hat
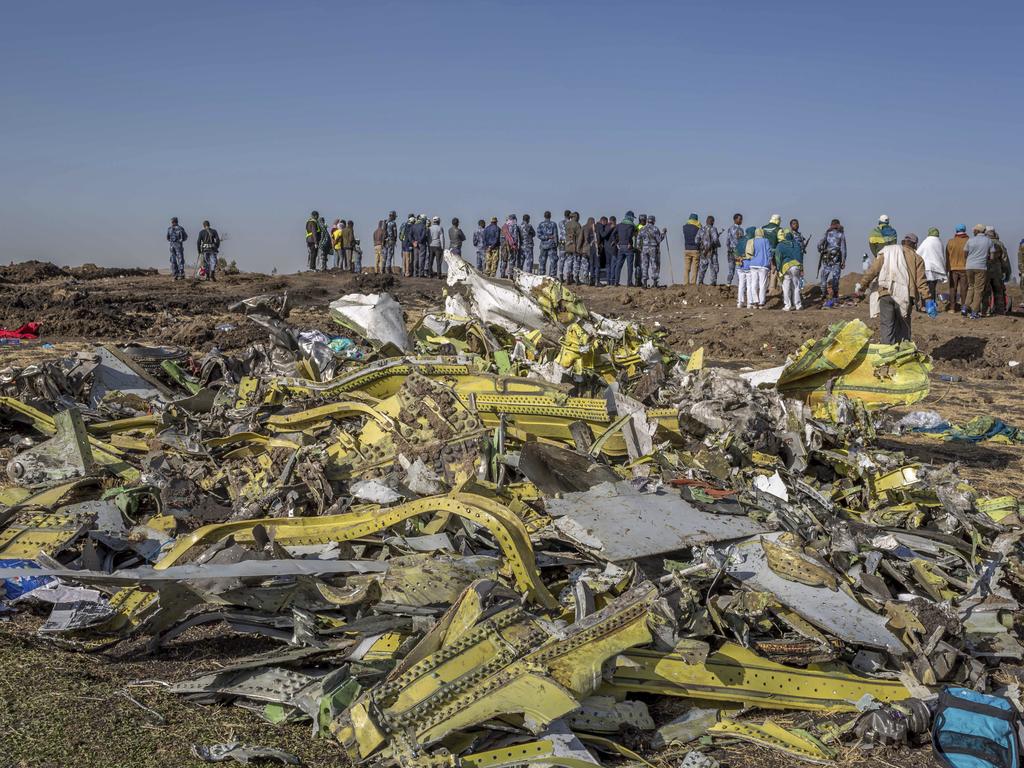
436, 247
998, 273
900, 273
956, 269
881, 236
771, 229
492, 237
176, 236
789, 262
691, 250
388, 243
314, 233
547, 235
976, 251
934, 258
759, 259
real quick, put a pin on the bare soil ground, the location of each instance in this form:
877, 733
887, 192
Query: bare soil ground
60, 708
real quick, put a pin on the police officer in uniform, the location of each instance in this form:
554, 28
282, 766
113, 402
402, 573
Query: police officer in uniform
176, 236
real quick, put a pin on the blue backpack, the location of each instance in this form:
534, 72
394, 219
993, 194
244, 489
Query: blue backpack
975, 730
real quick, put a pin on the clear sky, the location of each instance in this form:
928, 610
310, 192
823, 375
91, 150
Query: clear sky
118, 115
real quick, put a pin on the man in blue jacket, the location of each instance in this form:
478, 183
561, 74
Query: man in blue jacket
624, 232
492, 237
691, 250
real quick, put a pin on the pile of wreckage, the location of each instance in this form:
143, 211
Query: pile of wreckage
496, 537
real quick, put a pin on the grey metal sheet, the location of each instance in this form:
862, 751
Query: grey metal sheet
620, 523
835, 612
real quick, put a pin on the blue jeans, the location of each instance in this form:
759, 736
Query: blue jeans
615, 273
177, 260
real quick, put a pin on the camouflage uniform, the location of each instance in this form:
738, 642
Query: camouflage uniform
547, 233
508, 253
708, 241
832, 250
1020, 263
478, 243
177, 236
649, 239
732, 237
526, 235
560, 262
388, 249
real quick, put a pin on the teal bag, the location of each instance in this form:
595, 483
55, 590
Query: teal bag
975, 730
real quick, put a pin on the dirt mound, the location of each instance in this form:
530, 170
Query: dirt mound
93, 272
370, 282
30, 272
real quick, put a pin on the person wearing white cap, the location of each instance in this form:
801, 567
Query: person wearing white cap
771, 232
881, 236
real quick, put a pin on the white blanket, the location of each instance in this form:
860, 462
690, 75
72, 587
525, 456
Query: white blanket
934, 256
894, 278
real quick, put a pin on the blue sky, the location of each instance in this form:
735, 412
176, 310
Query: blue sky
119, 115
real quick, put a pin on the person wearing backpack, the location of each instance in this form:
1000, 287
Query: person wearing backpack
831, 262
208, 246
176, 236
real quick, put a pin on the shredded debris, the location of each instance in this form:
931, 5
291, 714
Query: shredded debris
492, 536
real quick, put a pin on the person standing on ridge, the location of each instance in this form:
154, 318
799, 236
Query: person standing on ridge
881, 236
313, 235
976, 249
933, 255
624, 231
901, 281
547, 235
478, 243
708, 242
831, 262
436, 248
390, 238
956, 268
456, 237
691, 250
176, 236
526, 235
208, 247
732, 237
492, 240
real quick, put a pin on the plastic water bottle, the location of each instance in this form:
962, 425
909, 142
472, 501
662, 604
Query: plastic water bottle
865, 263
